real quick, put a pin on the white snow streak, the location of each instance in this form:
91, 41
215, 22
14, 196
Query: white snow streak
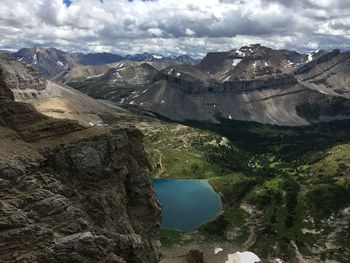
236, 61
243, 257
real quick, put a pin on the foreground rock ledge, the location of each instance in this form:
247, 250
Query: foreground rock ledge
70, 194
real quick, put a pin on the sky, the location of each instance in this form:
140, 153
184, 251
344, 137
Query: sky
174, 26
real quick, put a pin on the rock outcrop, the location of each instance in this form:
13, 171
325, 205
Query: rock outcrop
70, 193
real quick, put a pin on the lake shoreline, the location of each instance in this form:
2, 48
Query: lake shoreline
194, 194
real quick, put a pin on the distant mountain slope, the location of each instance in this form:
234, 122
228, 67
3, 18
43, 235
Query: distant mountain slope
51, 62
253, 83
78, 73
119, 82
52, 99
96, 58
156, 57
48, 61
328, 72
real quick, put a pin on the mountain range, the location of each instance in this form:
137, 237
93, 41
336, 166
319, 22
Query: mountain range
51, 61
253, 83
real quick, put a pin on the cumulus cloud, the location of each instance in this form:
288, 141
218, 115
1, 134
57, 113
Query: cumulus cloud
174, 26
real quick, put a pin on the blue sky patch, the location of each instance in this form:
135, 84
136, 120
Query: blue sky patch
67, 2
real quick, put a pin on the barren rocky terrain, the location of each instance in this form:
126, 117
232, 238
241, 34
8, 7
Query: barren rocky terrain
71, 193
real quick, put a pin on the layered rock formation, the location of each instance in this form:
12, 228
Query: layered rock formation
50, 98
49, 62
70, 193
253, 83
327, 73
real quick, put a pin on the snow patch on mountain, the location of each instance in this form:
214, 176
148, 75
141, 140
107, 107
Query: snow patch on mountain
240, 53
218, 250
117, 75
94, 76
35, 59
120, 65
309, 57
243, 257
226, 79
236, 61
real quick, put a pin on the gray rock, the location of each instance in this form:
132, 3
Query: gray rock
87, 200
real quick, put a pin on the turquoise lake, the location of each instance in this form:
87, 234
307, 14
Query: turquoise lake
186, 204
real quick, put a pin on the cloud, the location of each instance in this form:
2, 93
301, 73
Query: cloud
174, 26
155, 32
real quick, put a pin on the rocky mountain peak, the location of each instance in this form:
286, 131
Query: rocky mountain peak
251, 83
52, 62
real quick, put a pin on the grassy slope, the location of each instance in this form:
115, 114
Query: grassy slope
178, 151
271, 179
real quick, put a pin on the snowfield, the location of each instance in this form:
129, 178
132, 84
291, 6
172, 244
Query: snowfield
243, 257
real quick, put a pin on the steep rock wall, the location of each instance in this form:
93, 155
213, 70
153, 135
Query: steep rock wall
73, 194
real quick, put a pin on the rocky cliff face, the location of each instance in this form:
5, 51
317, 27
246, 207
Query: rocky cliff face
253, 83
328, 73
71, 194
48, 61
